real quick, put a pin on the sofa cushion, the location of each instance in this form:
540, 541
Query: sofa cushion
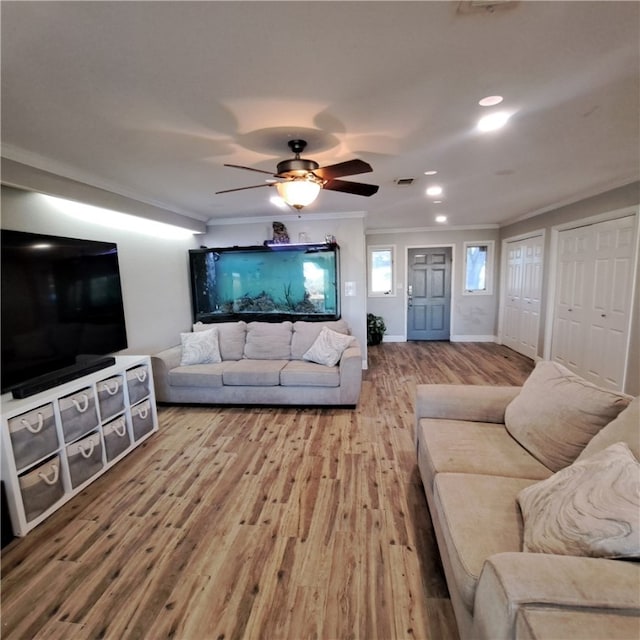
557, 412
305, 333
197, 375
309, 374
538, 622
478, 516
591, 508
268, 340
231, 338
200, 347
328, 347
625, 428
461, 446
260, 373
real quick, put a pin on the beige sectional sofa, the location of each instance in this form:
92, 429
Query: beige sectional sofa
534, 493
282, 363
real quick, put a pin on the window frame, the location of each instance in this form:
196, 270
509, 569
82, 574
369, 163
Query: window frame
374, 248
489, 267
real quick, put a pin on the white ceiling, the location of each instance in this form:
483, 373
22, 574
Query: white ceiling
150, 99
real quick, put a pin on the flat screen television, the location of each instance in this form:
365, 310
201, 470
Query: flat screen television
61, 304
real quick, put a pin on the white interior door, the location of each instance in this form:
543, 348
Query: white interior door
593, 300
521, 322
574, 271
608, 321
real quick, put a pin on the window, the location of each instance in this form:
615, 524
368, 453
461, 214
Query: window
380, 267
478, 268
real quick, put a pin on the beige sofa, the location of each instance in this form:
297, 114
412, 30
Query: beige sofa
264, 363
512, 477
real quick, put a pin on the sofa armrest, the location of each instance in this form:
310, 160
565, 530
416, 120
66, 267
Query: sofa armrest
350, 375
511, 581
476, 403
161, 363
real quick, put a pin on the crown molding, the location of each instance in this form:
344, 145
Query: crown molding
213, 222
468, 227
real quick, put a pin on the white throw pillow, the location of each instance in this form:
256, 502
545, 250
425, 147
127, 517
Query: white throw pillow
328, 347
591, 508
200, 347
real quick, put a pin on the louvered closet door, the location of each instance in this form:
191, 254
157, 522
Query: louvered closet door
523, 292
593, 300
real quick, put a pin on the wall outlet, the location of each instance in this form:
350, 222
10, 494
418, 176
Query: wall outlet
349, 289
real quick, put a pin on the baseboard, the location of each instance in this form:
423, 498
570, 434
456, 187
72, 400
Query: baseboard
461, 338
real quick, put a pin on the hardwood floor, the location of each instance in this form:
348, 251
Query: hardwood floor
256, 523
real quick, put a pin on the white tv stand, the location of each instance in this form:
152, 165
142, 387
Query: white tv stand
57, 442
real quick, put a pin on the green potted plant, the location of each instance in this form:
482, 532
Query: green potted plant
375, 329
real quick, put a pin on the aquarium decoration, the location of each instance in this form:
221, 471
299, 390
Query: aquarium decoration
273, 282
280, 233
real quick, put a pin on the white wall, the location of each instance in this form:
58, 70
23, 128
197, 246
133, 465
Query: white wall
473, 317
154, 270
349, 234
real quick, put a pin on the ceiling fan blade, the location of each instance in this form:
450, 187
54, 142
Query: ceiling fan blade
348, 168
239, 166
356, 188
255, 186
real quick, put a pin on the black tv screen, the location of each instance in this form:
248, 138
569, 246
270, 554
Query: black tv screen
61, 303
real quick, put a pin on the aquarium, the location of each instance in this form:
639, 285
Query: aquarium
269, 283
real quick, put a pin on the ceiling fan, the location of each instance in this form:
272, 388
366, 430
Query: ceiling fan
301, 180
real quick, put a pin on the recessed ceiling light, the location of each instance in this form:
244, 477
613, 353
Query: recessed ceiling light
441, 218
437, 202
434, 190
490, 101
493, 121
430, 173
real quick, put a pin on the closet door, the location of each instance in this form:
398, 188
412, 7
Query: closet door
574, 271
593, 300
611, 291
523, 294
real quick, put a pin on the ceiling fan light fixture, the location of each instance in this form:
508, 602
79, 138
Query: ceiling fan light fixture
299, 192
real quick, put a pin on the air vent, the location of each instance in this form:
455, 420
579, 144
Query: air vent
484, 6
403, 182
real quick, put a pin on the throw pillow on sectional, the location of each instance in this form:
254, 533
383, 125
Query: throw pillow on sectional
557, 413
589, 508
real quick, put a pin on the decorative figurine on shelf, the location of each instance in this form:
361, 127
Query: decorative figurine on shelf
280, 233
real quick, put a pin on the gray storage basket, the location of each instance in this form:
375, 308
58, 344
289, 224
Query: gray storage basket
78, 414
84, 458
116, 437
41, 488
142, 419
138, 383
33, 435
110, 397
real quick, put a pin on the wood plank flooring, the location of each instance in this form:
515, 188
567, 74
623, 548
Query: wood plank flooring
246, 523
